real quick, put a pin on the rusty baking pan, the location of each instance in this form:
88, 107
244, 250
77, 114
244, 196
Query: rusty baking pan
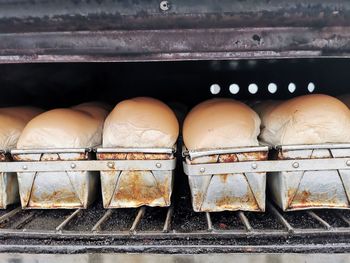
229, 191
8, 184
311, 188
55, 189
134, 187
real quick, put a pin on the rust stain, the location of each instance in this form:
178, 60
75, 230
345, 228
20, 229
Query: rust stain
111, 156
229, 202
4, 157
134, 156
232, 202
317, 205
298, 197
16, 157
236, 203
198, 199
52, 157
59, 198
223, 177
231, 157
307, 199
24, 201
63, 156
303, 196
158, 156
133, 188
228, 158
252, 156
204, 159
290, 194
285, 155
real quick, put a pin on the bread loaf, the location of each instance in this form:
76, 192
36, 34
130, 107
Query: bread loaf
309, 119
76, 127
12, 122
141, 122
221, 123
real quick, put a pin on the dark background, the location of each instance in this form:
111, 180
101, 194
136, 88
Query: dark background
64, 84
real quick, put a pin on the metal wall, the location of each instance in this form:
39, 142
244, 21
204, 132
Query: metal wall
101, 30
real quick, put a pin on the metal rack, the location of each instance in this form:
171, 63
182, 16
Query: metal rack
160, 230
177, 229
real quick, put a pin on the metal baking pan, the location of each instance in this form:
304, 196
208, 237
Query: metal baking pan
55, 189
135, 184
8, 184
228, 191
311, 188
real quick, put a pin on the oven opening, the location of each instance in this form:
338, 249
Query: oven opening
176, 229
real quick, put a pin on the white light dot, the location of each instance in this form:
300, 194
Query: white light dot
234, 88
291, 87
311, 87
215, 89
272, 87
253, 88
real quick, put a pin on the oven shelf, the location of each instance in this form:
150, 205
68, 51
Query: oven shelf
176, 229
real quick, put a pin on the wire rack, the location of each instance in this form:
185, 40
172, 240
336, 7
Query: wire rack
160, 221
176, 229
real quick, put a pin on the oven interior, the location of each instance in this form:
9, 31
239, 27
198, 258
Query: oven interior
176, 229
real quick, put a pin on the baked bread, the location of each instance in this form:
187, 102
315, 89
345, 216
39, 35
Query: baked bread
309, 119
13, 120
221, 123
141, 122
77, 127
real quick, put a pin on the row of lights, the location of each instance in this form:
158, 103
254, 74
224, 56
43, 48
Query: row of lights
253, 88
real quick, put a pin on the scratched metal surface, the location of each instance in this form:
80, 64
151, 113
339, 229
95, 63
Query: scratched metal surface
105, 30
232, 191
71, 190
129, 188
311, 189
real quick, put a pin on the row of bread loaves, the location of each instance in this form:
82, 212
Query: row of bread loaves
216, 123
139, 122
309, 119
